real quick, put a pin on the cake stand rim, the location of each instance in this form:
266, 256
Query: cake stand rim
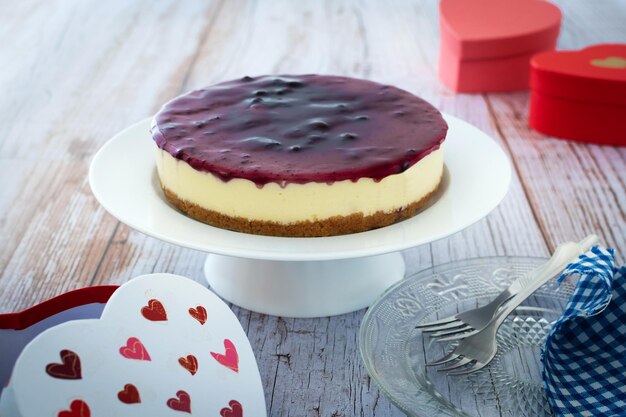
108, 184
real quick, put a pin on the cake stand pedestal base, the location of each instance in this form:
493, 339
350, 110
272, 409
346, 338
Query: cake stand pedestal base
303, 288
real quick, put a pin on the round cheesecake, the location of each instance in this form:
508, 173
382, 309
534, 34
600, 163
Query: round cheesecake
306, 155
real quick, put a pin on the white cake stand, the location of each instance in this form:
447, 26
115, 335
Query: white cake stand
301, 277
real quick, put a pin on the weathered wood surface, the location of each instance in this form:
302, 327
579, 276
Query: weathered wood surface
73, 73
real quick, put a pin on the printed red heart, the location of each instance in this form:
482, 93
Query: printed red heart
230, 358
235, 410
129, 395
154, 311
69, 368
134, 349
78, 408
181, 403
190, 363
198, 313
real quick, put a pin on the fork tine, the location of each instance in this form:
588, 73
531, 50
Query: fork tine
475, 367
446, 326
437, 322
458, 331
462, 362
449, 357
457, 336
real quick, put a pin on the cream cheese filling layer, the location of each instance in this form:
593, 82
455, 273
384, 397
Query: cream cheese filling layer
299, 202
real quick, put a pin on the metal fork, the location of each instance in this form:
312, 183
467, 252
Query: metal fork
478, 318
478, 348
476, 351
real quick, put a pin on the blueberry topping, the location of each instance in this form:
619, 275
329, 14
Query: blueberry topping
299, 129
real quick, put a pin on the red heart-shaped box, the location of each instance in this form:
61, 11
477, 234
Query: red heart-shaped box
486, 45
18, 329
580, 95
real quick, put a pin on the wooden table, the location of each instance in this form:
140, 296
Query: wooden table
73, 73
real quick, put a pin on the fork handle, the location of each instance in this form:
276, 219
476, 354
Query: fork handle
490, 310
527, 279
564, 254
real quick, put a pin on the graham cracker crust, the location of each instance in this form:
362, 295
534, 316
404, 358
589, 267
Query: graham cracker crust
337, 225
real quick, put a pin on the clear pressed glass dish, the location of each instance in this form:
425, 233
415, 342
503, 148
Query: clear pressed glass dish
395, 352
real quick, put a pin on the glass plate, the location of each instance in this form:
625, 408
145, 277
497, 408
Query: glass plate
395, 352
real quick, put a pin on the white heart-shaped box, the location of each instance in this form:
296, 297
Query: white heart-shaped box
154, 336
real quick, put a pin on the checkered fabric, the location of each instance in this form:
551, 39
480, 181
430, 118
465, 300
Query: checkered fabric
584, 358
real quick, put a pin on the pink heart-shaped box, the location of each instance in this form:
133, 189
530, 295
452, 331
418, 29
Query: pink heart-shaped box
580, 95
18, 329
486, 45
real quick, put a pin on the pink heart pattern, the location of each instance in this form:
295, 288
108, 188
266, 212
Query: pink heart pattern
134, 349
230, 357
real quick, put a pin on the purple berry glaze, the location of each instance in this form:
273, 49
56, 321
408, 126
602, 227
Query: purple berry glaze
299, 129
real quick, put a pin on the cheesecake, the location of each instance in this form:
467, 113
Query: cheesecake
299, 155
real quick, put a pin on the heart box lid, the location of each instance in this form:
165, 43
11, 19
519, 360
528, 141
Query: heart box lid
162, 345
484, 29
594, 74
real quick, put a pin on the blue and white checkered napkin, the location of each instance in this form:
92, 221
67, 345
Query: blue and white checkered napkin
584, 358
